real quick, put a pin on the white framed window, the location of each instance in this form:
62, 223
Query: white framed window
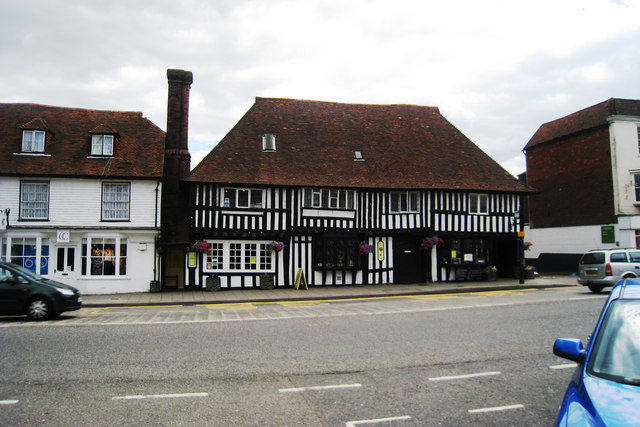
239, 256
115, 201
34, 200
33, 141
328, 199
244, 198
636, 186
214, 259
104, 256
31, 253
357, 155
102, 145
404, 201
478, 204
268, 142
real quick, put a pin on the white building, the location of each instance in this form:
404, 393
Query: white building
80, 194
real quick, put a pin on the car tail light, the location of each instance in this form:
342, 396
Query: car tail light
607, 270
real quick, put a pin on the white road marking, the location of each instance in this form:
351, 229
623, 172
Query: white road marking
462, 377
379, 420
565, 366
495, 409
159, 396
8, 402
323, 387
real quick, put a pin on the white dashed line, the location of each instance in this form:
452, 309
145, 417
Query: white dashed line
565, 366
8, 402
379, 420
323, 387
495, 409
462, 377
159, 396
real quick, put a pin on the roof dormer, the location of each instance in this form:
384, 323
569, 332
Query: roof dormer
34, 135
268, 142
103, 139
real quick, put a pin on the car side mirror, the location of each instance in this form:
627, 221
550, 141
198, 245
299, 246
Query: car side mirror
569, 348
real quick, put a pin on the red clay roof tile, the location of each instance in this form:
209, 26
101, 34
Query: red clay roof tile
138, 149
403, 146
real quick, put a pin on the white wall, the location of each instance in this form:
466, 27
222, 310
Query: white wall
625, 158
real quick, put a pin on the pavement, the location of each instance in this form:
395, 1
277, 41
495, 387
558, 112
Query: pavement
227, 296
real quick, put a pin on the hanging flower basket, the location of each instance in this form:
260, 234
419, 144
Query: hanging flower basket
430, 242
365, 248
200, 246
277, 246
527, 245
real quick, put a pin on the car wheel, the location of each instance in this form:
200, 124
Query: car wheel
596, 289
39, 309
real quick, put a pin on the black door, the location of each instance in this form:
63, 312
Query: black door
410, 262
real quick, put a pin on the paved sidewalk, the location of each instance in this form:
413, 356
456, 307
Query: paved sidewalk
317, 293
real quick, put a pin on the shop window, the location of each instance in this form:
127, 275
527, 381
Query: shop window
239, 256
214, 259
31, 253
104, 256
470, 251
336, 252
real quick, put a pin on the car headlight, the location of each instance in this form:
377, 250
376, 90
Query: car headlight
66, 292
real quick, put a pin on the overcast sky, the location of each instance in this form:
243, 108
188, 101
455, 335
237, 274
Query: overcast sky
497, 69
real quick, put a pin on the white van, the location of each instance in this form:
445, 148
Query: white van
600, 268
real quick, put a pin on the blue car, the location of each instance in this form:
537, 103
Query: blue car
605, 388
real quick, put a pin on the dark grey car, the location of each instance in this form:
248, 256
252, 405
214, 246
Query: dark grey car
24, 292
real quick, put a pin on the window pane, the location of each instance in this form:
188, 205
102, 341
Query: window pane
307, 198
38, 141
96, 145
636, 181
484, 204
27, 141
243, 198
214, 259
414, 201
235, 256
265, 257
403, 202
395, 202
473, 203
229, 198
317, 199
256, 198
108, 145
250, 256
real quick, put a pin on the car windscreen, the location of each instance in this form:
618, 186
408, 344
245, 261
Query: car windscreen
592, 258
617, 346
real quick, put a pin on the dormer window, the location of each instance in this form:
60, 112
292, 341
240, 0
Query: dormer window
102, 145
33, 141
357, 156
268, 142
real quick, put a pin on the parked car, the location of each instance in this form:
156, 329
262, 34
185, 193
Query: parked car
605, 267
605, 387
24, 292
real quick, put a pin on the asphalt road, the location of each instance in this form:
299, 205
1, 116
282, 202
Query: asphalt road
465, 359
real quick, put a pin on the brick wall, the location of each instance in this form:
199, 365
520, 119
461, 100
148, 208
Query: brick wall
574, 181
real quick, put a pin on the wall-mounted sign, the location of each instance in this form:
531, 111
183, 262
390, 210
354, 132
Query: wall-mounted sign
380, 250
62, 236
608, 233
192, 259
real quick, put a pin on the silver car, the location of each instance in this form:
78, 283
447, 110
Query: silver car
600, 268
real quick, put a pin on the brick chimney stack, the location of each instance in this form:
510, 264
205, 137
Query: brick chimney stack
177, 160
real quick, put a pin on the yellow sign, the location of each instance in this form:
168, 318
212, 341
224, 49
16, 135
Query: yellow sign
300, 278
380, 250
192, 260
521, 234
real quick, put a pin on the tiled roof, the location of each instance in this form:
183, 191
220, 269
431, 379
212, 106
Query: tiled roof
138, 149
588, 118
403, 146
